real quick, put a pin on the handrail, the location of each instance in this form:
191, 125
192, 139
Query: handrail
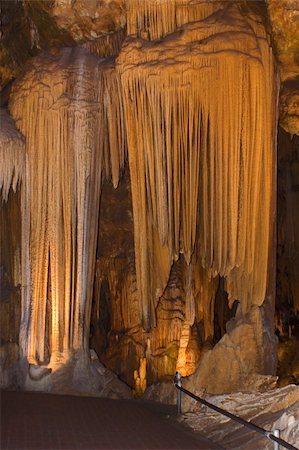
244, 422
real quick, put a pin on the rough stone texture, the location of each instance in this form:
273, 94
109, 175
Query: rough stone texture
284, 17
78, 375
236, 361
14, 47
275, 409
82, 19
44, 24
10, 291
289, 105
288, 360
27, 28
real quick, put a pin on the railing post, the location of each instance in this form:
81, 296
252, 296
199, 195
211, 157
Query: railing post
276, 444
178, 381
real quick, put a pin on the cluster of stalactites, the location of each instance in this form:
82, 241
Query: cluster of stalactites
156, 18
12, 155
112, 127
200, 113
106, 45
68, 107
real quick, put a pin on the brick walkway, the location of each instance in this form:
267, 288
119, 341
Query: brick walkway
45, 421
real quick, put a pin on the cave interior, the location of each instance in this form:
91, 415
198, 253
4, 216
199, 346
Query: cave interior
149, 175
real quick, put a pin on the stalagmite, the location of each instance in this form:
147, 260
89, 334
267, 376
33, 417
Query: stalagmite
12, 155
68, 107
200, 113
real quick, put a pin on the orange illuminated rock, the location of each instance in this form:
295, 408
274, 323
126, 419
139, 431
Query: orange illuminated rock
69, 109
200, 113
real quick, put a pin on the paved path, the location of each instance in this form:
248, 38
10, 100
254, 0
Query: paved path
45, 421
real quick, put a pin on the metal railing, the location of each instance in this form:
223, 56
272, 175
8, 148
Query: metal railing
274, 436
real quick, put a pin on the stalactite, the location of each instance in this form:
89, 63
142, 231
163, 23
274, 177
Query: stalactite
12, 155
68, 107
156, 18
200, 112
106, 45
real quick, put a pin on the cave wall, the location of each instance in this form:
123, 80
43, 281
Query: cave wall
287, 306
180, 336
288, 224
10, 279
12, 169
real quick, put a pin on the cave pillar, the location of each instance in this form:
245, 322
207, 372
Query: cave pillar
64, 104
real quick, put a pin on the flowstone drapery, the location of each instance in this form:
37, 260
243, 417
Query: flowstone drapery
200, 112
65, 106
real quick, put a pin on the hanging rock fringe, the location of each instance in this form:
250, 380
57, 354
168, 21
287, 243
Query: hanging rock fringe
200, 114
12, 155
156, 18
106, 45
68, 107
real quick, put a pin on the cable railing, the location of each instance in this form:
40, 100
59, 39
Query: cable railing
273, 436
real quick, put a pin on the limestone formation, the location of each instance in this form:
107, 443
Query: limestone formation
197, 165
145, 224
74, 129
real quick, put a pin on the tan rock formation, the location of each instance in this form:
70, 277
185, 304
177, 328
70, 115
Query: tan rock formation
237, 359
73, 129
185, 151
